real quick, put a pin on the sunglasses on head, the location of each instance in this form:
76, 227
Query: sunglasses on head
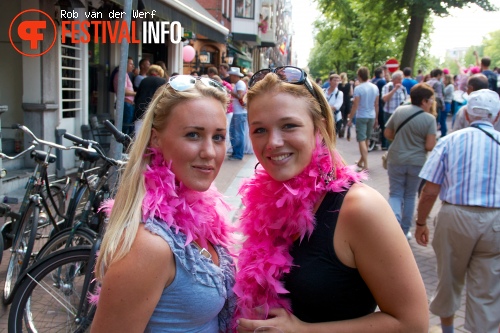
288, 74
185, 82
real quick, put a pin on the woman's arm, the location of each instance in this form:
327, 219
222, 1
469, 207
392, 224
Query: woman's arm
369, 238
389, 134
430, 142
132, 286
354, 109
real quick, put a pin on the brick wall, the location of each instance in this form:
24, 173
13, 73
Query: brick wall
214, 7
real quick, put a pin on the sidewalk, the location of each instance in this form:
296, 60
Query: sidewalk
230, 177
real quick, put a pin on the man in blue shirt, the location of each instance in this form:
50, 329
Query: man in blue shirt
464, 170
408, 81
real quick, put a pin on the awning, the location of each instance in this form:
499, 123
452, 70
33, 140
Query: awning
234, 48
192, 16
243, 63
252, 40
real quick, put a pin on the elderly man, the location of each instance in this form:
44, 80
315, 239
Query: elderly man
474, 83
464, 170
393, 95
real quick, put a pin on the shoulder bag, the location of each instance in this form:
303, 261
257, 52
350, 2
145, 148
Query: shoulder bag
384, 157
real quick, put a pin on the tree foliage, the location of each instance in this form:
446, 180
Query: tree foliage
492, 48
383, 28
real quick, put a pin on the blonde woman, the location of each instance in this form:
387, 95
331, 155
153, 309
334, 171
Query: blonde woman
320, 247
347, 90
164, 264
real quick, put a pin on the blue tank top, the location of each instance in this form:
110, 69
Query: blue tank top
321, 287
200, 298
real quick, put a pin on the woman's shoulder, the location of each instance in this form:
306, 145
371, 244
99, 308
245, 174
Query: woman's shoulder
366, 216
151, 243
147, 251
362, 203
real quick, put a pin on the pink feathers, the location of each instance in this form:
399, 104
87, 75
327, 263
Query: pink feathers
199, 215
275, 215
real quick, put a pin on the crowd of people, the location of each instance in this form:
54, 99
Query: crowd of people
139, 92
321, 251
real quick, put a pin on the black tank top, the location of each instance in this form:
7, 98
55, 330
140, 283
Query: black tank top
321, 287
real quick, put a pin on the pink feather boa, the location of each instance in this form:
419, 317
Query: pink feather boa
201, 216
275, 214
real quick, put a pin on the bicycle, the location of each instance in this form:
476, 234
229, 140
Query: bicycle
60, 282
38, 215
375, 138
90, 221
53, 293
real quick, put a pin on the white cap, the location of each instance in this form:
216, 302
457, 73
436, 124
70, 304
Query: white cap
483, 103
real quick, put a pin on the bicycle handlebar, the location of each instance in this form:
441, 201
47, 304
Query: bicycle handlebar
85, 143
96, 148
119, 136
2, 155
48, 143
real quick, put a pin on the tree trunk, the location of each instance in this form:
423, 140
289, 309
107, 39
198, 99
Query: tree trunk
412, 40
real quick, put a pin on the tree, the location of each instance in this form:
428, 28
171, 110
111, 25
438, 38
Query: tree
355, 33
417, 11
492, 48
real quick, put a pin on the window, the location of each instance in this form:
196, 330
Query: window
244, 9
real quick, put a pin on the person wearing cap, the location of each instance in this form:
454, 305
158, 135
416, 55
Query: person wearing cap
237, 127
464, 170
475, 82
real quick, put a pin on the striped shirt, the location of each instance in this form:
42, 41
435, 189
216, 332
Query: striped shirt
466, 165
398, 98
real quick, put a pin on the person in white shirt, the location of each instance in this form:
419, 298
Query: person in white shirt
335, 99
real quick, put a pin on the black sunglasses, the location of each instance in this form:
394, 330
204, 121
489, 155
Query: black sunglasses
288, 74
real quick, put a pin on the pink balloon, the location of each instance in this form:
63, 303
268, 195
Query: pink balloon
188, 53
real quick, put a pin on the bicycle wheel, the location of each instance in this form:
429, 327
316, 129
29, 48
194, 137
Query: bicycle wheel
80, 236
59, 204
45, 228
21, 251
1, 247
49, 296
74, 212
371, 145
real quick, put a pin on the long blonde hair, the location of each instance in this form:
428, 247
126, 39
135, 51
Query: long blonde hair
124, 220
319, 109
343, 78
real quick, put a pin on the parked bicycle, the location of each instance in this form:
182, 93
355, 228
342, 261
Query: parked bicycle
375, 138
59, 285
94, 190
41, 213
